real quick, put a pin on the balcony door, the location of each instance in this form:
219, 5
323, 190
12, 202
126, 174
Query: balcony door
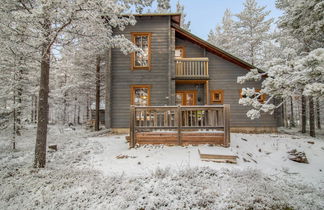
186, 98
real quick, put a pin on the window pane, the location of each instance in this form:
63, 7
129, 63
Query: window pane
142, 59
178, 53
190, 99
217, 97
141, 96
179, 98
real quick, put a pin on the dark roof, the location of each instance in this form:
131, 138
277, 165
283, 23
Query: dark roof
176, 17
211, 48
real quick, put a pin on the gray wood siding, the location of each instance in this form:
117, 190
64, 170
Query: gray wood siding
191, 50
223, 75
123, 77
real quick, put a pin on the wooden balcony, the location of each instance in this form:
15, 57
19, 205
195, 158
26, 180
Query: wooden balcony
191, 68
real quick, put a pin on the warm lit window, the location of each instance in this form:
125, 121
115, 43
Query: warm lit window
140, 95
261, 97
186, 98
216, 96
180, 52
142, 60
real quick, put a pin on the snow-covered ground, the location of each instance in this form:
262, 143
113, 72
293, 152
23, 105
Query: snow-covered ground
265, 152
102, 173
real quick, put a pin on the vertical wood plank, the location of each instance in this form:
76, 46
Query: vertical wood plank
227, 134
145, 122
179, 124
132, 127
155, 119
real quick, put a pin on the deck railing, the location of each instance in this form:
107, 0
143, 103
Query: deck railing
195, 68
180, 124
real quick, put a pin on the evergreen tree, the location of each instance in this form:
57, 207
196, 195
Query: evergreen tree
225, 35
50, 23
253, 28
163, 6
180, 9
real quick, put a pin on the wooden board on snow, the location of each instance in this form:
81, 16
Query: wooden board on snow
217, 158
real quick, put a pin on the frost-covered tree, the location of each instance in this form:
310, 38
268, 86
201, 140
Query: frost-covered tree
17, 74
302, 72
183, 24
253, 28
305, 21
54, 22
225, 35
163, 6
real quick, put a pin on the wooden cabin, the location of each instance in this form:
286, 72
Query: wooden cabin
177, 68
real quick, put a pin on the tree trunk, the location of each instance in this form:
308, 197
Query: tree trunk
87, 113
292, 118
311, 117
303, 114
14, 124
32, 110
64, 101
79, 122
41, 136
35, 109
19, 108
318, 114
285, 114
97, 94
75, 112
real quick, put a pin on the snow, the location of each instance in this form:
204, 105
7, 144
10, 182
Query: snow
264, 152
85, 173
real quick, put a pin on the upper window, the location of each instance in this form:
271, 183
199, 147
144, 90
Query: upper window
140, 95
261, 97
142, 60
217, 97
180, 52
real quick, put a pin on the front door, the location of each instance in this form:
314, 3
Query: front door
186, 98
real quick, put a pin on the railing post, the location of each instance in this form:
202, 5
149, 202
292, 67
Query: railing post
132, 127
227, 132
179, 124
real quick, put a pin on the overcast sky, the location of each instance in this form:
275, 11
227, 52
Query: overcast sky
205, 14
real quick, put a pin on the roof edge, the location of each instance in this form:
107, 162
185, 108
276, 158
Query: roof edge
215, 49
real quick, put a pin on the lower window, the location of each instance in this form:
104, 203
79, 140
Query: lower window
140, 95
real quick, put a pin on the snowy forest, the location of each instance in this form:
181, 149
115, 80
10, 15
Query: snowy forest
52, 78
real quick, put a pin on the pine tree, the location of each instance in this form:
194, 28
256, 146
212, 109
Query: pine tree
163, 6
183, 24
253, 29
225, 35
50, 23
304, 20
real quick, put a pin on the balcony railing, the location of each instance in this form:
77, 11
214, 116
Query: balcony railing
191, 68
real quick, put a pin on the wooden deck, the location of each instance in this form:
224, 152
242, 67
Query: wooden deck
180, 125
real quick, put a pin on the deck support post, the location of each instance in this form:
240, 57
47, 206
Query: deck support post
227, 132
207, 92
179, 124
132, 127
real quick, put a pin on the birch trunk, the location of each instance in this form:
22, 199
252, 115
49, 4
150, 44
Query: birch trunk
292, 118
97, 123
318, 114
311, 117
303, 114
